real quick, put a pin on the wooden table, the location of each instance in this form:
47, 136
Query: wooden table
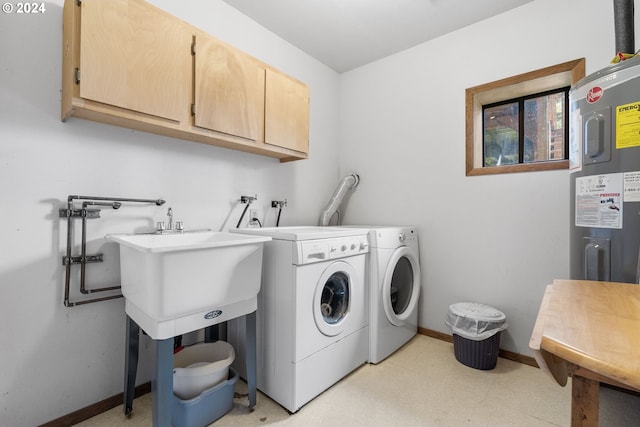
590, 331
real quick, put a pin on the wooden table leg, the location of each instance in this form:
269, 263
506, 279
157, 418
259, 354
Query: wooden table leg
585, 401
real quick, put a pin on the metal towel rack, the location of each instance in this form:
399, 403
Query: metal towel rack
70, 213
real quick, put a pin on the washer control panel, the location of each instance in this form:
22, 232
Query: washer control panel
309, 251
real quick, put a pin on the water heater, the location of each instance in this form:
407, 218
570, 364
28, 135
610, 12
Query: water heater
604, 162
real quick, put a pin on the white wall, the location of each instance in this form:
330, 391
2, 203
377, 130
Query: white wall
57, 360
492, 239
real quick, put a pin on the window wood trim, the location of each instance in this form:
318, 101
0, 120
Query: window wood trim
549, 78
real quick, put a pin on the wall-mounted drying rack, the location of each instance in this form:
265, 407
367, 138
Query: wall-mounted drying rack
71, 212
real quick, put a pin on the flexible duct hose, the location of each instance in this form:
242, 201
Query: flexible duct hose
349, 182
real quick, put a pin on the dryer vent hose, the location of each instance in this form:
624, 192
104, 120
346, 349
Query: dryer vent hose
349, 182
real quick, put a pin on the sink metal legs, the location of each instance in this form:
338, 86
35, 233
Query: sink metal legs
162, 381
130, 363
212, 334
250, 358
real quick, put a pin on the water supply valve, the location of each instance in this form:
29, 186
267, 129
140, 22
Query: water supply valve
278, 203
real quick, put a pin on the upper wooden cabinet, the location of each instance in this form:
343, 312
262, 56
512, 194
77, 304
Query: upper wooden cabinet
134, 57
229, 89
286, 112
128, 63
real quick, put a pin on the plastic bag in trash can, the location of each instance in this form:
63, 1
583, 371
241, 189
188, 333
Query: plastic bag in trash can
475, 321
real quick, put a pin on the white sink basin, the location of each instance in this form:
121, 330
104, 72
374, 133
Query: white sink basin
177, 283
182, 241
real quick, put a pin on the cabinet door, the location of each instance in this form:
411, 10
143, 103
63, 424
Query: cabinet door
229, 86
286, 112
134, 56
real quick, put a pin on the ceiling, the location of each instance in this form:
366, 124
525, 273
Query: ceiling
346, 34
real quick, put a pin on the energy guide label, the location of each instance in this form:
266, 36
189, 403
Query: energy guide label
628, 125
599, 201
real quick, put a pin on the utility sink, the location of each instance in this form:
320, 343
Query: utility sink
177, 283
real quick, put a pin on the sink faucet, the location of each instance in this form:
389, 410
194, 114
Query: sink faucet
170, 227
170, 215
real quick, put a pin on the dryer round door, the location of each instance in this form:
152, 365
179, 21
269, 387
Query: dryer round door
401, 286
333, 298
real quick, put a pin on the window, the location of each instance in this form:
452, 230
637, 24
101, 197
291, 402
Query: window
519, 124
524, 130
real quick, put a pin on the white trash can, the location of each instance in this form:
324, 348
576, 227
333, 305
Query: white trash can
206, 407
201, 366
476, 333
203, 384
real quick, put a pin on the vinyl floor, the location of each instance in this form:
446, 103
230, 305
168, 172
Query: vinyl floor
420, 385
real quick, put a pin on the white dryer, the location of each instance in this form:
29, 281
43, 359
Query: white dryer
312, 317
394, 286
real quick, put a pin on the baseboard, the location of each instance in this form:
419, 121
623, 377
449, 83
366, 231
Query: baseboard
505, 354
96, 409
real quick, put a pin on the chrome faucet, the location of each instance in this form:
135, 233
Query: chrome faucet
170, 215
170, 228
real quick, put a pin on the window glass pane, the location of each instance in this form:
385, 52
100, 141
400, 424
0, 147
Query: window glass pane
543, 128
501, 135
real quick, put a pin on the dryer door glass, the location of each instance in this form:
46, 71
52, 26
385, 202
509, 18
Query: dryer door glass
334, 302
401, 286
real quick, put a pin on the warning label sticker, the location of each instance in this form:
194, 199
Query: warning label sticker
631, 187
599, 201
628, 125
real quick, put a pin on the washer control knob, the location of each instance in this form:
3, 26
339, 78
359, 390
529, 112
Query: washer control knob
402, 237
343, 248
353, 246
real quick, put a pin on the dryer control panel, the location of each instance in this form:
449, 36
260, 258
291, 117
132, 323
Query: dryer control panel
309, 251
394, 237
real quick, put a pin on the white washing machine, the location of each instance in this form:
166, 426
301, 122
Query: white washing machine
394, 286
313, 317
